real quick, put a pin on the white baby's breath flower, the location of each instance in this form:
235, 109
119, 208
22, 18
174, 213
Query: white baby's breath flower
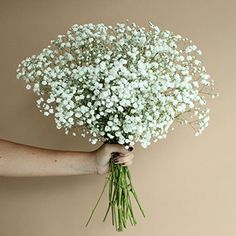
28, 86
123, 83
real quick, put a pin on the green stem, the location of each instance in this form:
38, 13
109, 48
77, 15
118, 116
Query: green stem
110, 191
97, 202
120, 228
131, 211
110, 198
135, 194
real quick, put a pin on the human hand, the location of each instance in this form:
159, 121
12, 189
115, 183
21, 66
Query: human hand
103, 155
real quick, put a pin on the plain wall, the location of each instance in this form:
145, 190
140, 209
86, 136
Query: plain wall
187, 184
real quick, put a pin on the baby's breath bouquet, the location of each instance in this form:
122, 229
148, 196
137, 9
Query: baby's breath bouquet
120, 84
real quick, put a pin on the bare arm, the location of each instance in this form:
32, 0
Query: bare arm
22, 160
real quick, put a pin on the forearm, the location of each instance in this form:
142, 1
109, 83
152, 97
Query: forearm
23, 160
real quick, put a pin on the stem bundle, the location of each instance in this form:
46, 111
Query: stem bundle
120, 189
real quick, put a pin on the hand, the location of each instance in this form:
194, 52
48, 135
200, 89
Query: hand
103, 155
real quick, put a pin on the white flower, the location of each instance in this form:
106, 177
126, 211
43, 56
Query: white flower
124, 82
28, 86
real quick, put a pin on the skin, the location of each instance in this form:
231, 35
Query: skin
19, 160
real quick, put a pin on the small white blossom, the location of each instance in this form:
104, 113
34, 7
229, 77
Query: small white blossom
122, 83
28, 86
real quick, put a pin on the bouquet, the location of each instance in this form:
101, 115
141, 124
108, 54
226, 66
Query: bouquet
120, 84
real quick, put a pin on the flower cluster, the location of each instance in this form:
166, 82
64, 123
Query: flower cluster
123, 83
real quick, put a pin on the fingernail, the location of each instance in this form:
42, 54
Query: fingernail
130, 149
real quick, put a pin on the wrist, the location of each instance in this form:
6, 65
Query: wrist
80, 162
100, 167
93, 157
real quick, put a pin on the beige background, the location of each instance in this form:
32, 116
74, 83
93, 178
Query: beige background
187, 185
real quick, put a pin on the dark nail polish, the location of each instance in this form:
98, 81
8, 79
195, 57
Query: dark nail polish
130, 149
